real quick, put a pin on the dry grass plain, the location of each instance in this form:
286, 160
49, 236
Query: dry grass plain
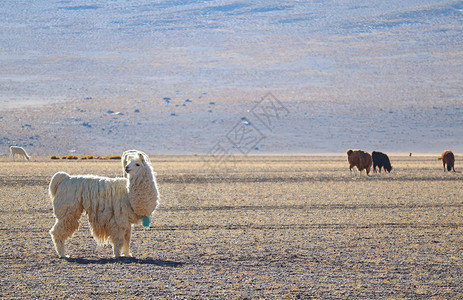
265, 227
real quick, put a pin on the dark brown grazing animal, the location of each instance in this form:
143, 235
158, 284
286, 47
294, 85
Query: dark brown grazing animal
448, 159
360, 159
381, 160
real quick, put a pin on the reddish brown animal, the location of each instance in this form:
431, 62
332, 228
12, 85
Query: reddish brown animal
448, 159
360, 159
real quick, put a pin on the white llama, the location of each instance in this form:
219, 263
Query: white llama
15, 150
112, 204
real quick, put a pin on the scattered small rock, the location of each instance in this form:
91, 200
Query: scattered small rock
116, 113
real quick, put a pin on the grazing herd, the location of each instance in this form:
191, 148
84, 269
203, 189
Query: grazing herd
356, 158
364, 161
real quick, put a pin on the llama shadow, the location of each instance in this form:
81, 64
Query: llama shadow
126, 260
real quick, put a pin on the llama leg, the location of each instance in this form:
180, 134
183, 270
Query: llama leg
117, 240
61, 231
126, 246
350, 169
116, 250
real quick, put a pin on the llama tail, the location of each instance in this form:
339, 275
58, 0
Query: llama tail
55, 182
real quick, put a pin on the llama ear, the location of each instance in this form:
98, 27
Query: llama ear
142, 158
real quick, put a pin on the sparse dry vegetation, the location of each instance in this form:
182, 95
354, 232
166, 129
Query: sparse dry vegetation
87, 157
116, 157
70, 156
270, 227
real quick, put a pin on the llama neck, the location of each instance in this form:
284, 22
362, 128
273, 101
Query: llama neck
143, 193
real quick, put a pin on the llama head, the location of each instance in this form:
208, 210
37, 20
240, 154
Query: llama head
388, 168
135, 164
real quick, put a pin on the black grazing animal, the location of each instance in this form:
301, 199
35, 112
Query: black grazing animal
381, 160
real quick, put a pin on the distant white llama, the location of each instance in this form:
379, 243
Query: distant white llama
15, 150
112, 204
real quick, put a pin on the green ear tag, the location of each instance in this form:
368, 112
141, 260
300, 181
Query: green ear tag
146, 222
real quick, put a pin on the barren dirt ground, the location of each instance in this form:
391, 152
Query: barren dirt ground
270, 227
